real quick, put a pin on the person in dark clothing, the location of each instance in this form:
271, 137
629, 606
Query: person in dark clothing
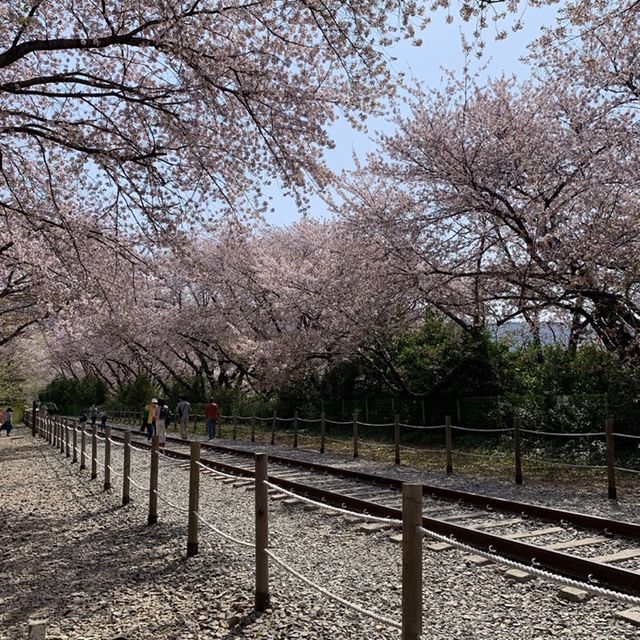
211, 413
7, 425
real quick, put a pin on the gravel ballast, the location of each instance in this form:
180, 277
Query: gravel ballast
72, 555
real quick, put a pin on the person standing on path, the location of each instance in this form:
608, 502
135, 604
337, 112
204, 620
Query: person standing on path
7, 423
211, 414
150, 423
163, 418
93, 414
103, 420
182, 411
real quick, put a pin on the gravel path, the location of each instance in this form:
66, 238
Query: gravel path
70, 554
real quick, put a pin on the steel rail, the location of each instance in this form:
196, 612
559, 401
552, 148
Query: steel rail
565, 564
550, 514
604, 526
582, 569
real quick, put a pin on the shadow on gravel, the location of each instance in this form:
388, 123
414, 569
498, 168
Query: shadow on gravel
72, 550
60, 565
78, 555
240, 628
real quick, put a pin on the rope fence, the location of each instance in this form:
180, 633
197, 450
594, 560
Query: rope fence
226, 536
413, 532
397, 440
333, 596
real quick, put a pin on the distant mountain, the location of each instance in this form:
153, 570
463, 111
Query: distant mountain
520, 332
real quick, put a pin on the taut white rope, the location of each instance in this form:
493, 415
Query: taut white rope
626, 435
627, 469
333, 596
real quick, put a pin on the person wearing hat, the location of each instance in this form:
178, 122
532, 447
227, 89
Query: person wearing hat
150, 417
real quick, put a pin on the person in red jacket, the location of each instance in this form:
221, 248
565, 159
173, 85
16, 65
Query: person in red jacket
211, 413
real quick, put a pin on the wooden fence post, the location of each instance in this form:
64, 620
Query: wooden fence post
37, 630
262, 533
323, 428
273, 428
63, 434
448, 441
153, 481
611, 466
126, 468
67, 439
83, 447
75, 442
411, 561
94, 452
107, 458
355, 434
517, 446
194, 500
295, 429
253, 428
396, 438
33, 418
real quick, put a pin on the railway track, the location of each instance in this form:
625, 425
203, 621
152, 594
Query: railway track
590, 549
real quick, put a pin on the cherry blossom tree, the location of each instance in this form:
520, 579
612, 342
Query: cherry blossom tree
123, 118
249, 309
521, 200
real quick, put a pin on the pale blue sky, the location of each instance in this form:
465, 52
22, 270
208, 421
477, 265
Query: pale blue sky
441, 49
